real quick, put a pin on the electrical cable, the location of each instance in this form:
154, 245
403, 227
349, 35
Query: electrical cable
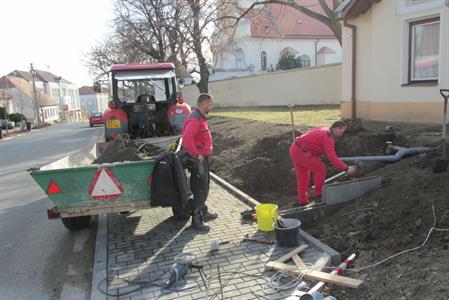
275, 284
407, 250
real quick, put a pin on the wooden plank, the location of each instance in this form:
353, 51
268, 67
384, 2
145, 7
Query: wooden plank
299, 263
291, 253
314, 275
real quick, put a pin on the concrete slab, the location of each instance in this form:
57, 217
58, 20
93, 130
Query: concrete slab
336, 196
349, 190
141, 247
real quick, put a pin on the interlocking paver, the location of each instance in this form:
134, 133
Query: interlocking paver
142, 246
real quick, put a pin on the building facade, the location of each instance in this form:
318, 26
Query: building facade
91, 101
23, 100
57, 88
395, 60
267, 33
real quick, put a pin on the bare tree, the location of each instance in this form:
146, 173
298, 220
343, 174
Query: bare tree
112, 50
197, 21
323, 11
176, 31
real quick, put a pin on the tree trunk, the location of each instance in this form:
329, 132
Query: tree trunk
203, 85
197, 48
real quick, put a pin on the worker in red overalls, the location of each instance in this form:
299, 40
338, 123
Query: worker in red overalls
197, 143
305, 154
177, 114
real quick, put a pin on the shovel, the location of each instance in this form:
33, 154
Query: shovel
442, 164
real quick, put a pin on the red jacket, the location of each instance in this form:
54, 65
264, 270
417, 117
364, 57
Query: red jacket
196, 137
320, 141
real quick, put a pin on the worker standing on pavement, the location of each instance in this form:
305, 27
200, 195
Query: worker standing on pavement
177, 114
197, 142
305, 154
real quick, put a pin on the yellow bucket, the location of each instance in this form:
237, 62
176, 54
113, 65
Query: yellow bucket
266, 215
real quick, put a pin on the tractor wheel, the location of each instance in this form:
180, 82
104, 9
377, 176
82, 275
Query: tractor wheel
76, 223
181, 212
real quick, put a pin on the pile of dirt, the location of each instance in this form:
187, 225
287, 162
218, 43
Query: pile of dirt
390, 220
254, 157
124, 149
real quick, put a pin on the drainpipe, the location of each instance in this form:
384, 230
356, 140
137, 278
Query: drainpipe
316, 52
353, 69
401, 153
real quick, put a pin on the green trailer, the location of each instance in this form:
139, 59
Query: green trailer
80, 189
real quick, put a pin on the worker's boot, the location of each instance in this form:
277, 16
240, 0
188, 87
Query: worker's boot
198, 221
208, 215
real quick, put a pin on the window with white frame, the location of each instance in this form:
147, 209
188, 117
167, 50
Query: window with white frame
424, 44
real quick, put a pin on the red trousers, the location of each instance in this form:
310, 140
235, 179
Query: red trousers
306, 163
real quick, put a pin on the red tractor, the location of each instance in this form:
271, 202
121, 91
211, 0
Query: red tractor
141, 96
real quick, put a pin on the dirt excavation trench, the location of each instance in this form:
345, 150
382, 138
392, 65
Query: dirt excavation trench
254, 157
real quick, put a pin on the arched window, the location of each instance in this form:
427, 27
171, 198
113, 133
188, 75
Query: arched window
305, 61
263, 57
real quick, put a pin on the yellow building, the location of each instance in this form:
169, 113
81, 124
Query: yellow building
395, 59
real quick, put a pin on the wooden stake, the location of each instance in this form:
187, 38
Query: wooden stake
299, 263
292, 253
292, 122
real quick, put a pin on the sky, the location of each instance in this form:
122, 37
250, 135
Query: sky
53, 35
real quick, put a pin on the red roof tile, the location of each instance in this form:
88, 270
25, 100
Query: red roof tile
280, 21
43, 76
86, 90
10, 82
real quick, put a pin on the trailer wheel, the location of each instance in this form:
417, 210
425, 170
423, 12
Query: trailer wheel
76, 223
181, 212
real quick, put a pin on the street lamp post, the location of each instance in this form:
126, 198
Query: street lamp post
36, 104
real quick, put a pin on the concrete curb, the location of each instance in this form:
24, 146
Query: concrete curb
335, 257
99, 271
235, 191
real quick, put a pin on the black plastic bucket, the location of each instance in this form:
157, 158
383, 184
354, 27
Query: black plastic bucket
287, 232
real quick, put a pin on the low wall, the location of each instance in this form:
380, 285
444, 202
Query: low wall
307, 86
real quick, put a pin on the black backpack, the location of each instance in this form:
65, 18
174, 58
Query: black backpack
169, 185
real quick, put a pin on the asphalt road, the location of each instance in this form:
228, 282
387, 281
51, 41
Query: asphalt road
40, 258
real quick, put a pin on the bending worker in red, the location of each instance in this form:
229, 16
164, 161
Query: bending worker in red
305, 154
197, 142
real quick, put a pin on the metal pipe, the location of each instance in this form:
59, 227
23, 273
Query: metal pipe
445, 94
402, 153
353, 67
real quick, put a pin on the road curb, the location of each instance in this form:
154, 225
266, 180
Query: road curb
334, 256
99, 271
235, 191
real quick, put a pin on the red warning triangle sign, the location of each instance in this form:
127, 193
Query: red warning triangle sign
105, 186
53, 188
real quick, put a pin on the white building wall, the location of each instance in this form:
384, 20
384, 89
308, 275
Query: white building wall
94, 102
305, 86
102, 101
20, 103
253, 48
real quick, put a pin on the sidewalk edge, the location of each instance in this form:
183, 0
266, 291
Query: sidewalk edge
99, 271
